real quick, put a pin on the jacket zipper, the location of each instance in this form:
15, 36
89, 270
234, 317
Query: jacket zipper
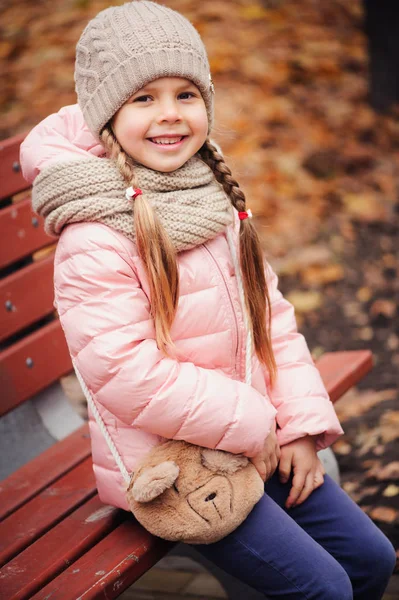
236, 369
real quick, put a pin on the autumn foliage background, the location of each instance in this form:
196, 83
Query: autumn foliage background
319, 167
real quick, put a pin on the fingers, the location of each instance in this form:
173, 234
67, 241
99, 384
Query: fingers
303, 484
271, 465
266, 462
260, 466
278, 452
319, 475
307, 489
285, 467
297, 486
318, 480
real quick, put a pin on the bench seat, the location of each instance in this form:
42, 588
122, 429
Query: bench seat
57, 540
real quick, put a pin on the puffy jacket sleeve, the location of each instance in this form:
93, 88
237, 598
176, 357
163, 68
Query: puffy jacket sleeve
302, 402
105, 316
59, 137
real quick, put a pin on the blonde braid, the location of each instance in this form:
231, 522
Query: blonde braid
154, 247
215, 161
117, 154
251, 259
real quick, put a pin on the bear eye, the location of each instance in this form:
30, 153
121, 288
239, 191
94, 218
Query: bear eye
175, 487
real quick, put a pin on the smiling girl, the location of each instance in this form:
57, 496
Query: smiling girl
174, 321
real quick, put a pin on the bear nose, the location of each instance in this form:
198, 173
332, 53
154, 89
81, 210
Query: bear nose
210, 497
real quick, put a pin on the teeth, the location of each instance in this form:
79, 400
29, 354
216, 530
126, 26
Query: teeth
166, 140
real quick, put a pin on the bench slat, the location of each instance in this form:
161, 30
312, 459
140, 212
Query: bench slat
11, 179
110, 567
46, 510
47, 350
342, 370
25, 309
35, 476
58, 548
22, 232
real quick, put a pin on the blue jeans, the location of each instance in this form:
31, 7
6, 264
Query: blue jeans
324, 549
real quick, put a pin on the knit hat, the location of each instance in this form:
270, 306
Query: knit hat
125, 47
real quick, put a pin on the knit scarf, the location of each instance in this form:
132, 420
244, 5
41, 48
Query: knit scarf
190, 203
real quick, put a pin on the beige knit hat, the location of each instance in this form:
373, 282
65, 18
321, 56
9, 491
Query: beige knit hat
125, 47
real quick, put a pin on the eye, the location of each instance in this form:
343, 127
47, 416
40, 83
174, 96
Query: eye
142, 98
175, 487
186, 95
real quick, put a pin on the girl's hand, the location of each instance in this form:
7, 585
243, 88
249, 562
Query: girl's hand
301, 457
266, 461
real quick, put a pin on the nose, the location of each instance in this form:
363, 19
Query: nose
169, 112
210, 497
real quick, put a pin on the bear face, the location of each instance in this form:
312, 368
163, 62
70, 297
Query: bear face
183, 492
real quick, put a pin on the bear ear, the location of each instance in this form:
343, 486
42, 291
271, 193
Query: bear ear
153, 481
223, 462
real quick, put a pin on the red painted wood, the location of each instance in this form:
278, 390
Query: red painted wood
125, 554
56, 550
47, 509
110, 567
47, 350
11, 180
341, 370
22, 232
29, 291
32, 478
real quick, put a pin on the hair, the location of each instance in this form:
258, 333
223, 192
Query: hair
160, 261
155, 249
251, 261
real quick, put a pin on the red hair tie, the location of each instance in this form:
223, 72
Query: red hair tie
132, 193
246, 214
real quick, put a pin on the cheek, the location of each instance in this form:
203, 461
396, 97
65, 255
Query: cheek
127, 129
200, 122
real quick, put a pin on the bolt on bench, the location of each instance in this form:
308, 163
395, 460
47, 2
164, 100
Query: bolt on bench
57, 540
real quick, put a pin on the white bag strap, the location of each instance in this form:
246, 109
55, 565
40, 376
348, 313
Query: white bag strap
102, 426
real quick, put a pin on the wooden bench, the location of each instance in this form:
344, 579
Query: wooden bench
57, 540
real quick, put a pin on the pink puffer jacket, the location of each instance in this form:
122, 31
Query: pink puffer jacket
102, 296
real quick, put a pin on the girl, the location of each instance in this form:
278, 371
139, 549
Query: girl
174, 324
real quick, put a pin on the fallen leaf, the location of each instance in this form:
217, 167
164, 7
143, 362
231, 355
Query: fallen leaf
253, 11
322, 275
364, 294
342, 447
389, 471
384, 514
350, 486
366, 491
389, 426
365, 333
305, 301
365, 207
393, 342
358, 402
316, 254
382, 308
391, 491
379, 450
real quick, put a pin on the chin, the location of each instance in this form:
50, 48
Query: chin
171, 169
168, 168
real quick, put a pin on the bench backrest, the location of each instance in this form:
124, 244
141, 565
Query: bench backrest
33, 351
